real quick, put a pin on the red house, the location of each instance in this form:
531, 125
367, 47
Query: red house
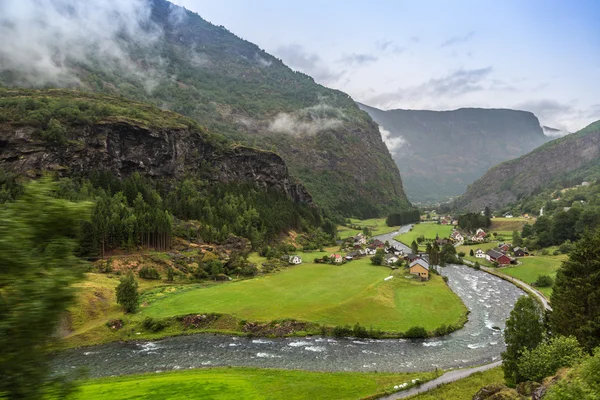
496, 256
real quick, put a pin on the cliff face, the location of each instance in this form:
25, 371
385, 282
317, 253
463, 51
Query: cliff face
124, 148
442, 152
506, 182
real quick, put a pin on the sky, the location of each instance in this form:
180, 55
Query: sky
541, 56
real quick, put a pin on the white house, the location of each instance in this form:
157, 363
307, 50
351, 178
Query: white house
370, 251
360, 239
391, 259
336, 258
295, 260
479, 253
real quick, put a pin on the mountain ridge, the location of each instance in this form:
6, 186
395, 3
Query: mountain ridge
457, 146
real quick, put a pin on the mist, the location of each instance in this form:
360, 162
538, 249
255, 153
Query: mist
308, 121
45, 40
393, 143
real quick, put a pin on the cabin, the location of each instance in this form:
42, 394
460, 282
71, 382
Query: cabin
295, 260
371, 250
520, 252
498, 257
479, 253
503, 247
420, 268
336, 258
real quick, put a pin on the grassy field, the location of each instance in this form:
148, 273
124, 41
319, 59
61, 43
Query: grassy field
244, 383
534, 266
427, 230
464, 388
376, 225
325, 294
506, 226
482, 246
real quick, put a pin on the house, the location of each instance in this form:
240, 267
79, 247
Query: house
295, 260
457, 237
444, 222
412, 257
498, 257
378, 243
371, 250
336, 258
420, 268
391, 259
360, 239
394, 250
476, 238
520, 252
508, 215
503, 247
441, 242
479, 253
481, 233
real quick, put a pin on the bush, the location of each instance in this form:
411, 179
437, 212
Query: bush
544, 281
127, 293
545, 252
461, 254
342, 331
148, 273
548, 357
416, 332
153, 325
360, 331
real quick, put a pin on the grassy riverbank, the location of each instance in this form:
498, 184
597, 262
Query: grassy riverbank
305, 299
245, 383
427, 230
534, 266
464, 388
376, 225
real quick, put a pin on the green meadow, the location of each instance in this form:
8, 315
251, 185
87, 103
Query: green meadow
429, 231
376, 225
533, 266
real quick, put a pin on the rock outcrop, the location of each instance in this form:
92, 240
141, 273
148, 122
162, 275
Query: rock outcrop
124, 148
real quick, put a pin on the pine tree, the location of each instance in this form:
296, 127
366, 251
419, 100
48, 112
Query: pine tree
414, 247
576, 294
524, 330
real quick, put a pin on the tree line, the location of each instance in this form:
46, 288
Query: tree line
473, 221
403, 217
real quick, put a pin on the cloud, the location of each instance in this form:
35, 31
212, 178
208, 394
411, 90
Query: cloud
43, 40
458, 39
358, 59
311, 64
452, 85
308, 121
564, 116
393, 143
389, 46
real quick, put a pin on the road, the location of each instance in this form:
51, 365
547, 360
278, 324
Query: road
450, 376
527, 286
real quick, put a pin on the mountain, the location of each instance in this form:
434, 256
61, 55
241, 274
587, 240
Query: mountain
162, 54
575, 156
553, 132
441, 152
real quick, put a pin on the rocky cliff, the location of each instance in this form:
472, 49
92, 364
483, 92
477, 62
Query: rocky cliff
441, 152
124, 145
513, 179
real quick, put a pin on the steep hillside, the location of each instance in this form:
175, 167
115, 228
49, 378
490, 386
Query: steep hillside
168, 56
577, 154
73, 133
441, 152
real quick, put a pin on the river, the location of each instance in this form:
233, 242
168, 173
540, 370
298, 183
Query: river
488, 298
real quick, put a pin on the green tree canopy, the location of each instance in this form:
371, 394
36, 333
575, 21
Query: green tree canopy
524, 331
576, 294
127, 293
548, 357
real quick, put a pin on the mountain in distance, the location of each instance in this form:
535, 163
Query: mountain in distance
172, 58
441, 152
572, 157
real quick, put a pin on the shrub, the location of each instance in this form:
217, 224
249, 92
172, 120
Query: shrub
548, 357
153, 325
462, 253
545, 252
127, 293
544, 281
416, 332
360, 331
342, 331
148, 273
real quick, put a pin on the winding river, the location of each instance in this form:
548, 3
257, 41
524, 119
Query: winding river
488, 298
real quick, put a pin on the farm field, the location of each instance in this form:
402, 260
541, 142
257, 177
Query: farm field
534, 266
376, 225
245, 383
464, 388
508, 225
429, 231
324, 294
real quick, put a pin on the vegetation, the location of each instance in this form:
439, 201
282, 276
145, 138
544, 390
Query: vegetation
524, 331
548, 357
576, 293
38, 265
403, 217
464, 388
472, 221
324, 294
127, 293
581, 383
353, 226
425, 231
532, 267
247, 383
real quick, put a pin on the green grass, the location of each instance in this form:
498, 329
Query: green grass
482, 246
324, 294
534, 266
377, 226
464, 389
244, 383
426, 229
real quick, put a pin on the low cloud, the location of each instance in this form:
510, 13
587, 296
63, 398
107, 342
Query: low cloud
308, 121
358, 59
458, 40
393, 143
298, 58
389, 46
564, 116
